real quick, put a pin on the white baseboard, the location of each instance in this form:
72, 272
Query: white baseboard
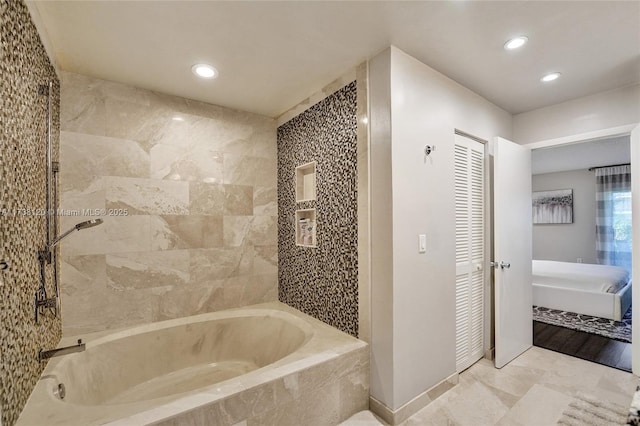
399, 415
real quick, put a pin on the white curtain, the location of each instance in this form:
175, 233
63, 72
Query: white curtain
613, 218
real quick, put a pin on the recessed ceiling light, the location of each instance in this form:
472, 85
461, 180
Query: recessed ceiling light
550, 77
204, 71
515, 43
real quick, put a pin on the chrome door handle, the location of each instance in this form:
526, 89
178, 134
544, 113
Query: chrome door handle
501, 265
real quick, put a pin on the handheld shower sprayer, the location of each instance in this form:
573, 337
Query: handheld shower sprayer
46, 253
78, 227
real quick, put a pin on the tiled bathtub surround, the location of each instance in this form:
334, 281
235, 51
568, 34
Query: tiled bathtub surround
23, 117
321, 281
297, 371
189, 192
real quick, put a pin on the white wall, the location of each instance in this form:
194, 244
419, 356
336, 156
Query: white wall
419, 346
591, 113
568, 242
381, 228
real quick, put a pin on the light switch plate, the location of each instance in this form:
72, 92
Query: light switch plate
422, 243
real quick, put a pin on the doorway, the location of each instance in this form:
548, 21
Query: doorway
574, 326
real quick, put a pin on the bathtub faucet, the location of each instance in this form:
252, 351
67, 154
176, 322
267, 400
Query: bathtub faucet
79, 347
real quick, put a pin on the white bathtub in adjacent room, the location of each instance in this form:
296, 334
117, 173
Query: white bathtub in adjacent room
263, 364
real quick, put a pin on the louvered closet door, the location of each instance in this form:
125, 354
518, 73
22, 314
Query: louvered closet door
470, 231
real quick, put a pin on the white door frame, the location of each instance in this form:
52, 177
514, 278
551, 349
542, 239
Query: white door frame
635, 213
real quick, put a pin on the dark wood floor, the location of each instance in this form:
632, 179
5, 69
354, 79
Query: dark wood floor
591, 347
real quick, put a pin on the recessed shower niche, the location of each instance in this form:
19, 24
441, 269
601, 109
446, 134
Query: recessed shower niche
306, 228
306, 182
305, 222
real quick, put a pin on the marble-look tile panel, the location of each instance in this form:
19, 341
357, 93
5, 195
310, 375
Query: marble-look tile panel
248, 290
85, 278
263, 140
566, 376
263, 230
527, 410
225, 131
265, 259
83, 108
240, 169
131, 120
196, 299
162, 158
364, 220
88, 241
354, 386
617, 387
126, 271
238, 200
83, 156
255, 171
323, 410
92, 197
265, 201
266, 174
79, 86
212, 265
192, 163
541, 404
279, 401
253, 402
116, 235
185, 232
127, 234
93, 305
206, 198
487, 407
123, 308
235, 229
147, 196
512, 379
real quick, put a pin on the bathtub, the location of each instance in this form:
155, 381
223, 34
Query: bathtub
258, 365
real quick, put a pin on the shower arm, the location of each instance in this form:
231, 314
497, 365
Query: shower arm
46, 253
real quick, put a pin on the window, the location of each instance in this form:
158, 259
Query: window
621, 210
613, 221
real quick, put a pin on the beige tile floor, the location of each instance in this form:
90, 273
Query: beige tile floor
532, 390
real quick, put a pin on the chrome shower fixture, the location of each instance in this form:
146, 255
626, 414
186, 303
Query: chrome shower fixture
42, 301
78, 227
46, 253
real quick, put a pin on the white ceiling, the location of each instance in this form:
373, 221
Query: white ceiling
272, 55
598, 153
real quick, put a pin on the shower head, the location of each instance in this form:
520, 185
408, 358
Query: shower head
88, 224
78, 227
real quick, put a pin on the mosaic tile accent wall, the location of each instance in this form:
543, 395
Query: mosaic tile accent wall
187, 191
321, 281
24, 65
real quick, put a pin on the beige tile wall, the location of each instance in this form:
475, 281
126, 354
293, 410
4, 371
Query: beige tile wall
187, 192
